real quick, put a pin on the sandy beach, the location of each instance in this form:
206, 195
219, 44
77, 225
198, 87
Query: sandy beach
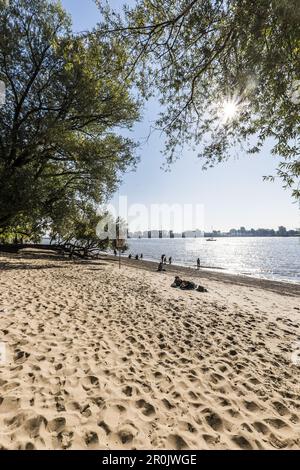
102, 358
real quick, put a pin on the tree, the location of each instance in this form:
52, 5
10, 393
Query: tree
23, 230
78, 232
67, 97
227, 73
85, 231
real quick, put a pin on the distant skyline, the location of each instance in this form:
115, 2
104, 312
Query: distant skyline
232, 194
234, 232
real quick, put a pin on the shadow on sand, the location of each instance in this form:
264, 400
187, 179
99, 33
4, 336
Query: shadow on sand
18, 261
12, 266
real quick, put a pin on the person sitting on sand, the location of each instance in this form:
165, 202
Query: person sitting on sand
177, 282
187, 285
160, 267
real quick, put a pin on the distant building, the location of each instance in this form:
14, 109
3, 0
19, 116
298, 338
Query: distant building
199, 233
154, 234
282, 231
190, 234
241, 232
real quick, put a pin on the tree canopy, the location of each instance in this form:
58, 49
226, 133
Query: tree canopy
67, 100
227, 73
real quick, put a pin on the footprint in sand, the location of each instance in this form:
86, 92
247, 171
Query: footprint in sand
125, 436
146, 408
65, 439
20, 356
90, 382
56, 425
242, 442
175, 441
91, 439
214, 421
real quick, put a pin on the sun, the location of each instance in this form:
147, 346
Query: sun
229, 110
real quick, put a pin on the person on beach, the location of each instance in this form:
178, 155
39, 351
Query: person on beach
170, 260
165, 260
162, 258
142, 256
115, 252
183, 285
130, 256
187, 285
160, 267
198, 263
137, 257
177, 282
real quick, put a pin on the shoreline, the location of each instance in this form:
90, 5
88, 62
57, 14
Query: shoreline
256, 256
205, 273
282, 287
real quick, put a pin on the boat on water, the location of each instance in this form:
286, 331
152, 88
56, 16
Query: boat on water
211, 239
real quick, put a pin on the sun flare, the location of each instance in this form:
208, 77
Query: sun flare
229, 110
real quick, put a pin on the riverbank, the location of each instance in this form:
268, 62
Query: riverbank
102, 358
284, 288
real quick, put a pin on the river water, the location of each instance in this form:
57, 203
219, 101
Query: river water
275, 258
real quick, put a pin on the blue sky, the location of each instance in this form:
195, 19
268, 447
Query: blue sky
233, 193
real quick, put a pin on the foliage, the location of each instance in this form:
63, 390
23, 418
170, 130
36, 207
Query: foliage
85, 231
67, 98
78, 233
202, 56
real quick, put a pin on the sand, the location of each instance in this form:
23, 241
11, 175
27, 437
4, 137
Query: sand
102, 358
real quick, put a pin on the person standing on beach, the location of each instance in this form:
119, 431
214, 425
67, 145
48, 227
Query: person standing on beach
162, 258
142, 256
165, 260
170, 260
198, 263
